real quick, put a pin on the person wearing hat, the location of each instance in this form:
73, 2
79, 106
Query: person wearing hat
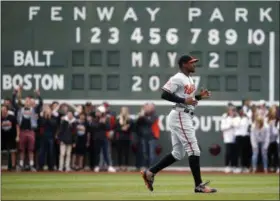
262, 109
180, 89
97, 139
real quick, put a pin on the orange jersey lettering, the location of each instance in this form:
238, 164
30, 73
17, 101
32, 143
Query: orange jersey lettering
189, 89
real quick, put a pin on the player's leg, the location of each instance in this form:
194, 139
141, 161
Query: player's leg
189, 141
177, 154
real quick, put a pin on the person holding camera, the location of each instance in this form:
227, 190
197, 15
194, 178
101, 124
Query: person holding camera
97, 129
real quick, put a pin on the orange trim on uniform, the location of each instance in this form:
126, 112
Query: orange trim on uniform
155, 129
183, 130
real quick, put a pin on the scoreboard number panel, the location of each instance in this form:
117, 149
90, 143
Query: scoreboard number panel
128, 50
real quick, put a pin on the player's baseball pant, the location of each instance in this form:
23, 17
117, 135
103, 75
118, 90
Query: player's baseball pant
182, 135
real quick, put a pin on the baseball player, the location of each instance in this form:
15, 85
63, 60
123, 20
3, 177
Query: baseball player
180, 89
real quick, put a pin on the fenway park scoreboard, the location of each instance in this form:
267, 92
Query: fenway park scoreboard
126, 51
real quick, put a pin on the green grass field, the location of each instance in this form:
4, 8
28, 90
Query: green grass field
168, 186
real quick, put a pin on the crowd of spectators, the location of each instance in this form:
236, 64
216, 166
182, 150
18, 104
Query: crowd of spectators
65, 137
251, 137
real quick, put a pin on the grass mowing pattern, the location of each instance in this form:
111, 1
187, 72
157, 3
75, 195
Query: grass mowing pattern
168, 186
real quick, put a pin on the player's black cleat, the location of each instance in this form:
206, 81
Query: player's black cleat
202, 188
149, 180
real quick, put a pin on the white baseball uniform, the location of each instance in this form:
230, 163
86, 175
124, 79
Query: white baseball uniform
180, 123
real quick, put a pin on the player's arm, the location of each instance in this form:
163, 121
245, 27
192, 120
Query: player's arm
176, 99
204, 94
171, 97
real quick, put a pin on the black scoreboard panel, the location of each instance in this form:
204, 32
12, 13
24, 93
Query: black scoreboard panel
128, 50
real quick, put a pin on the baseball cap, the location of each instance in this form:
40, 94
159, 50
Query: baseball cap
101, 109
262, 102
186, 59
